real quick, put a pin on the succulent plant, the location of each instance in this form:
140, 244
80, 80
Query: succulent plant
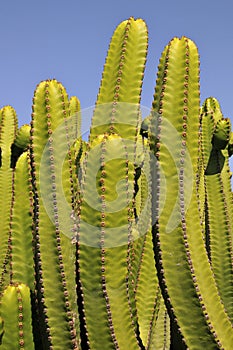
123, 241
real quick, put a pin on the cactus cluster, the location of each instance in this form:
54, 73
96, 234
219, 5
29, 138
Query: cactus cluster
123, 241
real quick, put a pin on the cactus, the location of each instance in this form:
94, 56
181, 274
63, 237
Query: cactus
124, 241
8, 129
20, 237
21, 143
15, 310
54, 253
186, 276
215, 138
105, 223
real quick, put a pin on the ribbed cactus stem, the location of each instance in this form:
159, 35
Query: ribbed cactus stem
105, 234
160, 333
15, 311
106, 211
75, 115
22, 138
218, 206
119, 94
124, 241
20, 240
185, 273
149, 299
54, 253
8, 129
75, 144
145, 281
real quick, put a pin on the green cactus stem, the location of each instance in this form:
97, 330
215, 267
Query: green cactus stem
119, 94
76, 147
75, 115
160, 333
15, 311
123, 241
149, 302
104, 230
21, 143
8, 128
218, 204
150, 305
20, 238
54, 253
104, 235
186, 277
221, 134
22, 138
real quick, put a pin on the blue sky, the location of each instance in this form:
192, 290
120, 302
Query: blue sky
68, 40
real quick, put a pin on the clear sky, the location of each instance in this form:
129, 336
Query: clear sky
68, 40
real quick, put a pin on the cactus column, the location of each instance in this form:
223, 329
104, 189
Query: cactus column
218, 206
185, 273
107, 195
54, 253
8, 129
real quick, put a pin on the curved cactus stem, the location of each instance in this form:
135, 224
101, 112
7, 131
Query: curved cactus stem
22, 138
221, 134
119, 94
219, 200
211, 105
220, 240
185, 274
8, 128
53, 221
104, 235
20, 240
21, 143
15, 311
